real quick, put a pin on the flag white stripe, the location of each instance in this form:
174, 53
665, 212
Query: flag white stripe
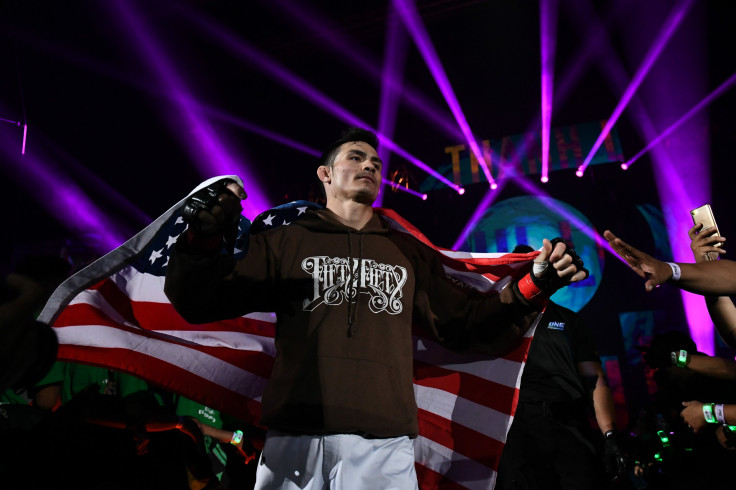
459, 254
94, 298
141, 286
199, 363
147, 288
232, 340
475, 416
212, 338
499, 370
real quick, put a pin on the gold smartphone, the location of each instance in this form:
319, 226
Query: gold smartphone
704, 215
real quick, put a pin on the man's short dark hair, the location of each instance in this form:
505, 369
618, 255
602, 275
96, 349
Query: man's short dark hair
522, 248
348, 136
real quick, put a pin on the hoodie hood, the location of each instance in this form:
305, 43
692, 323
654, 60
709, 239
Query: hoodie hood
325, 221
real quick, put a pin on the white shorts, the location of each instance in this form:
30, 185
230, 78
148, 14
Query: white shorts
335, 462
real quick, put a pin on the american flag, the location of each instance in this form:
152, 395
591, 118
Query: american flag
115, 314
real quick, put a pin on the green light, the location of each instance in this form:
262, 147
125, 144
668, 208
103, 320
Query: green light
657, 457
663, 437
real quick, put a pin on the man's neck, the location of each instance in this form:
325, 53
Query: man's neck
350, 213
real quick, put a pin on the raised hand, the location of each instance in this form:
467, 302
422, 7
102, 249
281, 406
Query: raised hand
654, 271
214, 209
556, 266
705, 243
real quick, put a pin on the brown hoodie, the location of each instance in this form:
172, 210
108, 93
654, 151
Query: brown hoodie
345, 301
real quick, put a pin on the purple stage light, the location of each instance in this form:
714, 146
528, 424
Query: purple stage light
61, 197
397, 187
407, 12
532, 189
101, 67
681, 167
82, 173
675, 197
208, 151
596, 45
483, 205
285, 77
494, 186
393, 68
330, 34
544, 179
548, 40
259, 130
669, 28
25, 134
697, 108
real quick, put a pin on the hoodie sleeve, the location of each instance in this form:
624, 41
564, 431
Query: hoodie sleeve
206, 285
458, 315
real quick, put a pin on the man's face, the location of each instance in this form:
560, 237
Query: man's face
355, 175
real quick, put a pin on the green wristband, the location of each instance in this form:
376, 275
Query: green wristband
237, 437
682, 358
708, 409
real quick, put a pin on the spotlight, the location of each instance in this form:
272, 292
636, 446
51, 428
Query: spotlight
544, 179
579, 172
625, 166
460, 190
424, 197
494, 186
25, 134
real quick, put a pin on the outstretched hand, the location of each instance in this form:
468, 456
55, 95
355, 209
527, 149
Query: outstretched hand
654, 271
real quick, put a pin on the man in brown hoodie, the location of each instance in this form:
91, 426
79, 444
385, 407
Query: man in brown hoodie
339, 404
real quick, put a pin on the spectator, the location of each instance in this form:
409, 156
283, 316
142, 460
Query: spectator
550, 443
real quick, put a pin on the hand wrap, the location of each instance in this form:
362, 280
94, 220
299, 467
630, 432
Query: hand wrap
536, 287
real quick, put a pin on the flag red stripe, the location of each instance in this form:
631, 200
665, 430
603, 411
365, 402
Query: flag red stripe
254, 361
162, 316
171, 377
463, 440
116, 298
471, 387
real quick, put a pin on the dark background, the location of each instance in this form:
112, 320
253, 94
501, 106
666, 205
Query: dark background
95, 110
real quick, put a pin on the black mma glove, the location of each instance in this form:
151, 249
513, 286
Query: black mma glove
537, 286
206, 199
614, 457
